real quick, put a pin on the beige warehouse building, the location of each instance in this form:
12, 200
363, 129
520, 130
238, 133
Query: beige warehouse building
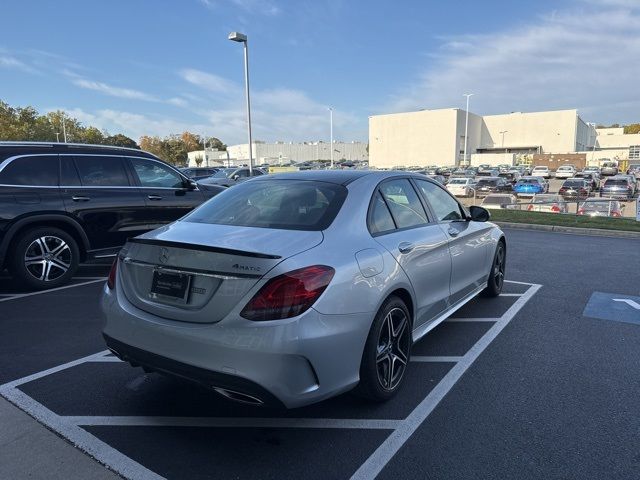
437, 137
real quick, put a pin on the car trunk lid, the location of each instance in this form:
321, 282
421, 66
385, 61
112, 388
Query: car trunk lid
198, 273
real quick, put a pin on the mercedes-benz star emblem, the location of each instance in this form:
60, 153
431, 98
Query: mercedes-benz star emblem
164, 255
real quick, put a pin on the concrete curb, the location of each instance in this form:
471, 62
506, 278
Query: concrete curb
595, 232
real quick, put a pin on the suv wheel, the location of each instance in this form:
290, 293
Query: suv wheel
386, 353
44, 257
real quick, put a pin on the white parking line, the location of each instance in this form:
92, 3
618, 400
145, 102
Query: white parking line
385, 452
40, 292
462, 319
70, 426
240, 422
511, 294
425, 358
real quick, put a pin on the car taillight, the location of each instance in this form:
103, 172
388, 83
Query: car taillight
288, 295
581, 212
111, 280
615, 214
530, 207
555, 208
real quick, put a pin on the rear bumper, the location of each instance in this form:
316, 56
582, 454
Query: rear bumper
291, 362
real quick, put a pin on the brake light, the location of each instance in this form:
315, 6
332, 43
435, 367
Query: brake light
581, 211
615, 214
530, 207
555, 208
288, 295
111, 280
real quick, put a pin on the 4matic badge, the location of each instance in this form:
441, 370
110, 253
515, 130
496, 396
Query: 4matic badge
246, 268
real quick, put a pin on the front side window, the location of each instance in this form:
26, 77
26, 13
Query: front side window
404, 203
101, 171
445, 207
156, 175
41, 171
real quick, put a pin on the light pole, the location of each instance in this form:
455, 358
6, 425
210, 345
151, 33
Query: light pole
466, 127
242, 38
58, 137
502, 133
331, 132
64, 129
204, 146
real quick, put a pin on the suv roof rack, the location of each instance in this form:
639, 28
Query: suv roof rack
62, 144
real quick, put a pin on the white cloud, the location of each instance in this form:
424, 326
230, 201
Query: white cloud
178, 102
12, 63
113, 91
133, 125
259, 7
209, 81
583, 58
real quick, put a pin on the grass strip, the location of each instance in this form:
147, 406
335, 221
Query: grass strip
565, 220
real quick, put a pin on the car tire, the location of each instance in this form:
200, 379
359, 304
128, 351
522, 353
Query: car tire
53, 254
386, 353
496, 274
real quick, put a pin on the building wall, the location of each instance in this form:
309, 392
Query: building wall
553, 131
428, 137
298, 152
555, 160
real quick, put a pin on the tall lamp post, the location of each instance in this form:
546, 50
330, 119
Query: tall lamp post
331, 132
242, 38
502, 144
466, 127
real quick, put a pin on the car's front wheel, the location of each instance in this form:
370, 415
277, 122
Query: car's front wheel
496, 276
386, 353
44, 257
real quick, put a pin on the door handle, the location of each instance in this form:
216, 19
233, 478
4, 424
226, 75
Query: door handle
77, 198
453, 232
154, 197
406, 247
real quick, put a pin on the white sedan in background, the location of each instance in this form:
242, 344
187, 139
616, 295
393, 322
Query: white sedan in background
461, 187
500, 200
566, 171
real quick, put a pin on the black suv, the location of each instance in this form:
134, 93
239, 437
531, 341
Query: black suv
62, 204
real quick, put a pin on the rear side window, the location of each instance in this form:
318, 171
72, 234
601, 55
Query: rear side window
380, 219
404, 203
279, 204
99, 171
39, 171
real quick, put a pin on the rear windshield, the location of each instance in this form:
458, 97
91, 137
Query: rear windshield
546, 199
458, 181
529, 181
573, 183
497, 200
600, 206
616, 181
280, 204
487, 182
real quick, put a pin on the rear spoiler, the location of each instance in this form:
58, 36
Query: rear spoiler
202, 248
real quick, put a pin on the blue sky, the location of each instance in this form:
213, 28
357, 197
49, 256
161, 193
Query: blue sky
160, 67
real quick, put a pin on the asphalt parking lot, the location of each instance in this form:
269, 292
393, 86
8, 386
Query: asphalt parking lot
538, 383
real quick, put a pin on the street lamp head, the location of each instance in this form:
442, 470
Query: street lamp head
468, 94
237, 37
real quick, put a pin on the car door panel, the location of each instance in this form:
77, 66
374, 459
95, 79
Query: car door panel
418, 246
97, 192
166, 193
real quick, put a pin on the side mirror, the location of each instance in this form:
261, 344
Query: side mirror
479, 214
191, 185
235, 177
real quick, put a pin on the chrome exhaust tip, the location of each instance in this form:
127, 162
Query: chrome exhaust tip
238, 396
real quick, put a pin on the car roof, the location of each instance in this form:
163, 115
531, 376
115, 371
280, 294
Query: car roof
342, 177
10, 149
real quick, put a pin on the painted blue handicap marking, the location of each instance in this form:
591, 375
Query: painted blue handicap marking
613, 306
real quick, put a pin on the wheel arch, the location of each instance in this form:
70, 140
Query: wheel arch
62, 222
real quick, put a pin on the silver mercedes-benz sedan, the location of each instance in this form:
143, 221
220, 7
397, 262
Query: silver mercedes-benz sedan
293, 288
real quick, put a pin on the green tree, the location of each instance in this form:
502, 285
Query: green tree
120, 140
632, 128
